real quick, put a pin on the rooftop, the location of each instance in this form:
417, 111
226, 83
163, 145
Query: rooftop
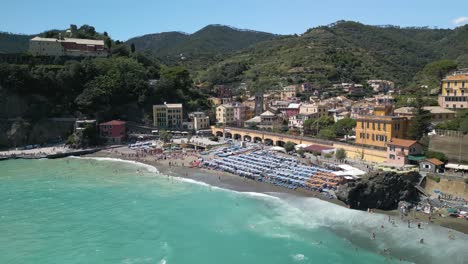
267, 113
456, 77
402, 142
114, 122
435, 161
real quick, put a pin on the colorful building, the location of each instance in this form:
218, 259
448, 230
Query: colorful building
454, 90
225, 114
401, 152
438, 114
376, 130
168, 116
114, 131
199, 120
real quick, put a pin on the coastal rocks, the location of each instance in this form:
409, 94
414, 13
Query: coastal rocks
381, 190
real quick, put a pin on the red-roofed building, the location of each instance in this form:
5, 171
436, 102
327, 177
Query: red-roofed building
114, 131
401, 151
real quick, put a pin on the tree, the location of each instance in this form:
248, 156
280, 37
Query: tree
419, 125
301, 152
289, 146
438, 155
340, 154
108, 43
327, 133
165, 136
344, 126
132, 48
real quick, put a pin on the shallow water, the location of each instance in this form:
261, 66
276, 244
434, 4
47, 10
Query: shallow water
105, 211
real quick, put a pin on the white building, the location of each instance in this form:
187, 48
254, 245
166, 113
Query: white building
67, 47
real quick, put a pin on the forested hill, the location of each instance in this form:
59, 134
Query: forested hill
342, 52
13, 43
211, 40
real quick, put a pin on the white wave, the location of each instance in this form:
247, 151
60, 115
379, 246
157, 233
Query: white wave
163, 261
150, 168
299, 257
357, 227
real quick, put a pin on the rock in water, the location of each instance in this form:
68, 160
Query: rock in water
381, 190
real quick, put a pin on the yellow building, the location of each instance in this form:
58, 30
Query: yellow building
225, 114
168, 116
454, 90
376, 130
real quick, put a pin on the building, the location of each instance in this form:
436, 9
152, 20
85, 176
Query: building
292, 110
401, 152
239, 114
220, 100
431, 165
114, 131
307, 88
381, 85
316, 110
288, 92
67, 47
376, 130
168, 116
81, 125
225, 114
438, 114
454, 90
200, 120
384, 100
297, 121
259, 104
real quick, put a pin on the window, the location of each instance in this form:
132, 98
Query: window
463, 85
373, 138
448, 84
455, 83
391, 156
378, 126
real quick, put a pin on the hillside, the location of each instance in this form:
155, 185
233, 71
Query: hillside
341, 52
13, 43
207, 43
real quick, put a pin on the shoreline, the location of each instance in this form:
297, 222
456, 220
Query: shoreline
236, 183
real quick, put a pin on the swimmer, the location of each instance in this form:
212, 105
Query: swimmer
373, 236
421, 241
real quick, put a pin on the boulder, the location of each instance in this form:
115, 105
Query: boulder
381, 190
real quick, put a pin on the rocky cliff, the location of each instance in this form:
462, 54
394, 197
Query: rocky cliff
381, 190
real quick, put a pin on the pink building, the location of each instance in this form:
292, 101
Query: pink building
113, 131
292, 110
402, 151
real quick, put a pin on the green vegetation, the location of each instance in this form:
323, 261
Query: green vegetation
344, 126
433, 177
326, 133
340, 154
165, 136
438, 155
420, 123
289, 146
459, 123
13, 43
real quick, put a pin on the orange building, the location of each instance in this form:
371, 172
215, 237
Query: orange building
376, 130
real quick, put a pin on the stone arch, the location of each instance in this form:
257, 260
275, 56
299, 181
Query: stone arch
268, 142
280, 143
257, 140
248, 138
219, 133
237, 136
228, 135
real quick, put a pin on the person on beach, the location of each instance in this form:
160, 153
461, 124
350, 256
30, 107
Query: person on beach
373, 236
421, 241
419, 225
409, 222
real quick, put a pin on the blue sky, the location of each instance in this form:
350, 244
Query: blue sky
126, 19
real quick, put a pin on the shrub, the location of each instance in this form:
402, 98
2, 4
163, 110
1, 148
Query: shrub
434, 178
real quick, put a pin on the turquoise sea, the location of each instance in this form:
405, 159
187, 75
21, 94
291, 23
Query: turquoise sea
80, 210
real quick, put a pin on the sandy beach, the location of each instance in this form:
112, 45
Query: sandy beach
180, 167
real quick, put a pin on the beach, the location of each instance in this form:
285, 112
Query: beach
179, 166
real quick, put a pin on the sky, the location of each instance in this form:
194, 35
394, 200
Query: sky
126, 19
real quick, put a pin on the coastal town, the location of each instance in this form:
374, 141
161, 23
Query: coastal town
384, 143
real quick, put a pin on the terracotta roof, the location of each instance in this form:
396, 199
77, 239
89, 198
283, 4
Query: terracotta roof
435, 161
317, 148
456, 78
402, 142
114, 122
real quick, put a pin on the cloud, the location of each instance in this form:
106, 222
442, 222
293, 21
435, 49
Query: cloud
460, 21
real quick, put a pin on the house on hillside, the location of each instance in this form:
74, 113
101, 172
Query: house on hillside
431, 165
401, 152
114, 131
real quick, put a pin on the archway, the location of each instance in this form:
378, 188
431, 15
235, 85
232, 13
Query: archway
257, 139
219, 133
237, 136
280, 143
268, 142
228, 135
247, 138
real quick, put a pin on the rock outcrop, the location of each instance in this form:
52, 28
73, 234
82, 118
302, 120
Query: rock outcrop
381, 190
